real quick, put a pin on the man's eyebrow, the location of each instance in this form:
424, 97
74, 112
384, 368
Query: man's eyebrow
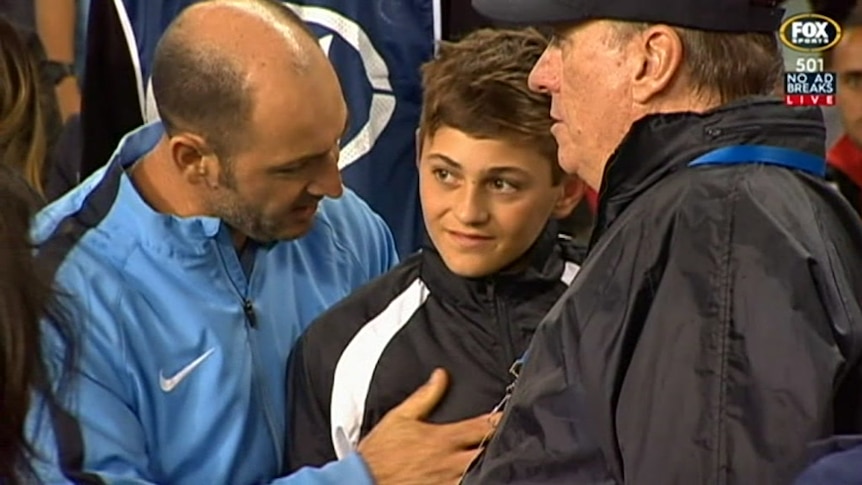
299, 161
558, 33
507, 170
493, 171
448, 161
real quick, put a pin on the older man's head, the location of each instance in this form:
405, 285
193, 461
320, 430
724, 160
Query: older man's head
615, 61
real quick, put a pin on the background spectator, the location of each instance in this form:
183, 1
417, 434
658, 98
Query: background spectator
845, 156
56, 23
24, 297
23, 138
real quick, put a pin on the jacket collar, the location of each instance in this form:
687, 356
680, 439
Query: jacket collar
659, 145
545, 265
154, 226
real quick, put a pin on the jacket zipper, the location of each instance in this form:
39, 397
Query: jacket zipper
248, 309
512, 364
797, 126
502, 318
257, 381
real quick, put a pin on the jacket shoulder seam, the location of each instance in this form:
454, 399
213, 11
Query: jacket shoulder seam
341, 247
725, 315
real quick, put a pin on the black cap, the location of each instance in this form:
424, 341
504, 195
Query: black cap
712, 15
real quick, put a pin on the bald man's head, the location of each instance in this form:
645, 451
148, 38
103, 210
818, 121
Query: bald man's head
206, 63
255, 114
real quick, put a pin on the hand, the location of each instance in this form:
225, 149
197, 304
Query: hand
404, 450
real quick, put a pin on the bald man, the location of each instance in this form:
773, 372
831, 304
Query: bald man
193, 260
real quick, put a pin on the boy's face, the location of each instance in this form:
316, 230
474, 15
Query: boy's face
485, 201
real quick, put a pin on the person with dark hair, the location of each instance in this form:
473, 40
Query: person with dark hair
469, 302
30, 126
715, 328
834, 9
23, 137
198, 255
25, 297
22, 299
25, 294
845, 157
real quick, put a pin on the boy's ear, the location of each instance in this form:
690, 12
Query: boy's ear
572, 191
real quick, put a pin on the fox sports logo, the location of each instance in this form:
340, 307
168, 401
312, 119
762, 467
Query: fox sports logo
810, 33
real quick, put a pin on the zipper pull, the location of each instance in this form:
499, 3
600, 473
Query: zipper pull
501, 406
515, 370
250, 316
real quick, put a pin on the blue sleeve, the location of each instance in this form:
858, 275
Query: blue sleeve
94, 435
123, 466
368, 236
97, 432
382, 254
386, 251
51, 471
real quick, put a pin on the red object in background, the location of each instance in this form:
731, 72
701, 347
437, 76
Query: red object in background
592, 199
846, 157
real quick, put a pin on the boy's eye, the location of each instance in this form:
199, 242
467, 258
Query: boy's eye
442, 174
501, 185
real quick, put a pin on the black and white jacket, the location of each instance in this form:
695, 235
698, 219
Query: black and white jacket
373, 349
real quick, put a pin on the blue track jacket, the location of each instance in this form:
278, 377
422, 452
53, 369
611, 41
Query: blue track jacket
182, 357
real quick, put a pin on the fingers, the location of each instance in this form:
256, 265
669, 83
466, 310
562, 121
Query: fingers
453, 468
463, 460
420, 404
470, 432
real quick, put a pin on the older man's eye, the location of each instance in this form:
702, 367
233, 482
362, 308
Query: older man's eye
853, 79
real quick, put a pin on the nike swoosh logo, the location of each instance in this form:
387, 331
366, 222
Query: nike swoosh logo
169, 384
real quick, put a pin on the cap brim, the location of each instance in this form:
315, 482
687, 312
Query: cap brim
527, 12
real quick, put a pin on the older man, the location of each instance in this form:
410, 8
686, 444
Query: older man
715, 328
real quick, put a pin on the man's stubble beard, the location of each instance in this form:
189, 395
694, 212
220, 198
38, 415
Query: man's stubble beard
229, 206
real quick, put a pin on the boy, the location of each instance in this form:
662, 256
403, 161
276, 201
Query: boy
490, 186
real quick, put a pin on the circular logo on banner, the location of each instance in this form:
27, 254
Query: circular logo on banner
810, 32
383, 102
151, 111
